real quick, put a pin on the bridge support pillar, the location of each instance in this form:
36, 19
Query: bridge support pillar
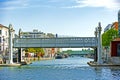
19, 55
10, 44
99, 61
95, 54
19, 49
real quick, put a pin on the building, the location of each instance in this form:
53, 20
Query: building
4, 40
4, 35
108, 27
113, 25
34, 34
49, 52
115, 45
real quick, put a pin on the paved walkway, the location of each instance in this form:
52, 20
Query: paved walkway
94, 64
10, 65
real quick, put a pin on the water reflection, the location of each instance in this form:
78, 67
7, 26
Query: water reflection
61, 69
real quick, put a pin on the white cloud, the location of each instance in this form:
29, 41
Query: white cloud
109, 4
18, 4
14, 4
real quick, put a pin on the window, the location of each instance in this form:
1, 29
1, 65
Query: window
6, 33
6, 40
0, 39
0, 31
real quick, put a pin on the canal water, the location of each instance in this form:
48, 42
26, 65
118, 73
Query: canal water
74, 68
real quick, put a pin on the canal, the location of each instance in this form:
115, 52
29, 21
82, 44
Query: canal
74, 68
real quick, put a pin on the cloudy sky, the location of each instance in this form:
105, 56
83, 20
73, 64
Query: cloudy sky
62, 17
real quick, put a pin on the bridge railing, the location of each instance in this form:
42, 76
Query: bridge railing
62, 42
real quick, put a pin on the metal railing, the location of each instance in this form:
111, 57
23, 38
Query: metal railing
60, 42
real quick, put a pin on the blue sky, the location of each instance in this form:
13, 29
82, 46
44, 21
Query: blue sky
63, 17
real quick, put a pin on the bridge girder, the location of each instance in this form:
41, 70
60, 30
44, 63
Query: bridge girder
63, 42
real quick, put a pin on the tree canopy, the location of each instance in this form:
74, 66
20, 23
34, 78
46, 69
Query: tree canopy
37, 51
108, 36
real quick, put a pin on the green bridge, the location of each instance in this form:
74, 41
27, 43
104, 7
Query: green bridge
82, 52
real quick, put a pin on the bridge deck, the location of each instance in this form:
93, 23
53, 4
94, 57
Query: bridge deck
66, 42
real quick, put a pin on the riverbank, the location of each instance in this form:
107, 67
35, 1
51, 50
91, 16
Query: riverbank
31, 59
95, 64
10, 65
25, 62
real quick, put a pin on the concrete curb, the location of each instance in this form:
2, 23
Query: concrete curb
10, 65
101, 65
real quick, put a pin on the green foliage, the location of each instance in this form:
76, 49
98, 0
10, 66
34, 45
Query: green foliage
108, 36
32, 50
38, 51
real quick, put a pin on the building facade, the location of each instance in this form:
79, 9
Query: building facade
108, 27
4, 40
4, 35
113, 25
34, 34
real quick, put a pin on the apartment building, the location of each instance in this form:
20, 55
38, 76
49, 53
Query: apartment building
4, 39
4, 35
114, 25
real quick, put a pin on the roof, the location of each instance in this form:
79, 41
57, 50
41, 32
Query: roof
117, 39
3, 26
119, 12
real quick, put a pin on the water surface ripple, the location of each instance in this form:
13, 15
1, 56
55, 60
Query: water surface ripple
74, 68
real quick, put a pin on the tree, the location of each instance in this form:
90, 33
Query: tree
32, 50
108, 36
38, 51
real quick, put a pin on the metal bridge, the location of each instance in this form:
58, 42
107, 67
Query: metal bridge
59, 42
63, 42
